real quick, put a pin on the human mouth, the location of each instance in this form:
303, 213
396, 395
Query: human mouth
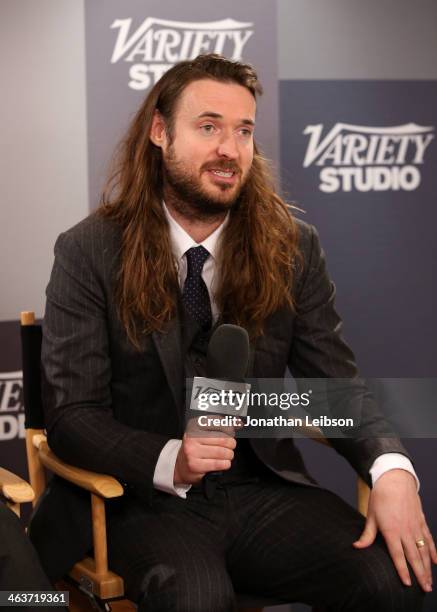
226, 175
223, 173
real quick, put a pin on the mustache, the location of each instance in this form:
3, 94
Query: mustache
222, 165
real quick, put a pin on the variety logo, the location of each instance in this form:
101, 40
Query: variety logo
363, 158
159, 43
11, 406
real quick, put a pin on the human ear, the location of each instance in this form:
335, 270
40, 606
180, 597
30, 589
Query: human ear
158, 134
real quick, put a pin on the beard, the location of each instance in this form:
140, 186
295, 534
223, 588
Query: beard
184, 191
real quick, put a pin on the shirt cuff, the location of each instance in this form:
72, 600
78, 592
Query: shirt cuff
391, 461
163, 478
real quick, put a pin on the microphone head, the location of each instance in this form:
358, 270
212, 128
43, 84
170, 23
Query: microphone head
228, 353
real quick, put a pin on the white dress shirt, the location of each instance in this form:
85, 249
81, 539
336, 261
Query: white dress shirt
164, 470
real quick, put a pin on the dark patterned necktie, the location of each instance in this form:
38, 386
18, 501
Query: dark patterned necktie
195, 293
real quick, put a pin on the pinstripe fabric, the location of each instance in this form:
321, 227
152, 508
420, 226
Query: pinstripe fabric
271, 538
98, 413
111, 408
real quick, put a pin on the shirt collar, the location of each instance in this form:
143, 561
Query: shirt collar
181, 241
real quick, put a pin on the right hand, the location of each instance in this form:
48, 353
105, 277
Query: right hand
201, 454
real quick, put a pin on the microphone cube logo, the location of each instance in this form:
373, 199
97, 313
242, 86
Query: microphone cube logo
219, 396
365, 158
157, 44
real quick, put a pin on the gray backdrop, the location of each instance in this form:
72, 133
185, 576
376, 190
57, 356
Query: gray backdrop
367, 64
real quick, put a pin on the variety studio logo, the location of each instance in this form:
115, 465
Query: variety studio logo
364, 158
158, 44
11, 406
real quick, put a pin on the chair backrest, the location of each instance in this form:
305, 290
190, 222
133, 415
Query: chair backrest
91, 573
31, 338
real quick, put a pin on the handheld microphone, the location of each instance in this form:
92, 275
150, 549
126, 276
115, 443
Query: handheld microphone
226, 366
223, 390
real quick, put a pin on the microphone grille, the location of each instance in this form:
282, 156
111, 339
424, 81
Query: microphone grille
228, 353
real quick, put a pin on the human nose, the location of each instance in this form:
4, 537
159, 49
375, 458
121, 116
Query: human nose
227, 146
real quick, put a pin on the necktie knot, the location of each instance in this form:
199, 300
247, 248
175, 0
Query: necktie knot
196, 257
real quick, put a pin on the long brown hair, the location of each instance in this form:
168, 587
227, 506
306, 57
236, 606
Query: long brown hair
259, 244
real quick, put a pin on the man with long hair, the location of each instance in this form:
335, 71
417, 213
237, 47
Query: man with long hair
190, 234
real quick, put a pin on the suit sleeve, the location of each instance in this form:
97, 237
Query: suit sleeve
76, 367
319, 351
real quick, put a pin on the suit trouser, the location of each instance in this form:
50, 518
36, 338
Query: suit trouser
269, 537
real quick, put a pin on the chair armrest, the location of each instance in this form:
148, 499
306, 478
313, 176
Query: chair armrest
100, 484
14, 488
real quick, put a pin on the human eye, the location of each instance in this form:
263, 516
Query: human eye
207, 128
246, 132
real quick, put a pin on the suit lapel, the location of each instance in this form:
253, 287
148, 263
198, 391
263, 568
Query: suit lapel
169, 346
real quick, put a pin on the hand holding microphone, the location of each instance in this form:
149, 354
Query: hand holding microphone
200, 455
207, 450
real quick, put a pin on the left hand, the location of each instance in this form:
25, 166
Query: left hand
396, 511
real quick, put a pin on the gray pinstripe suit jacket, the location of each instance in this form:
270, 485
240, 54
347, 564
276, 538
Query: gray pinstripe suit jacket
111, 409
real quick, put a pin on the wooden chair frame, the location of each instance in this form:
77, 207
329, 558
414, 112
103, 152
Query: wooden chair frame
93, 574
14, 490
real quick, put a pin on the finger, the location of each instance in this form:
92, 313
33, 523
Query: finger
206, 451
199, 466
426, 560
396, 551
369, 534
430, 542
230, 443
212, 465
417, 561
210, 431
210, 441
